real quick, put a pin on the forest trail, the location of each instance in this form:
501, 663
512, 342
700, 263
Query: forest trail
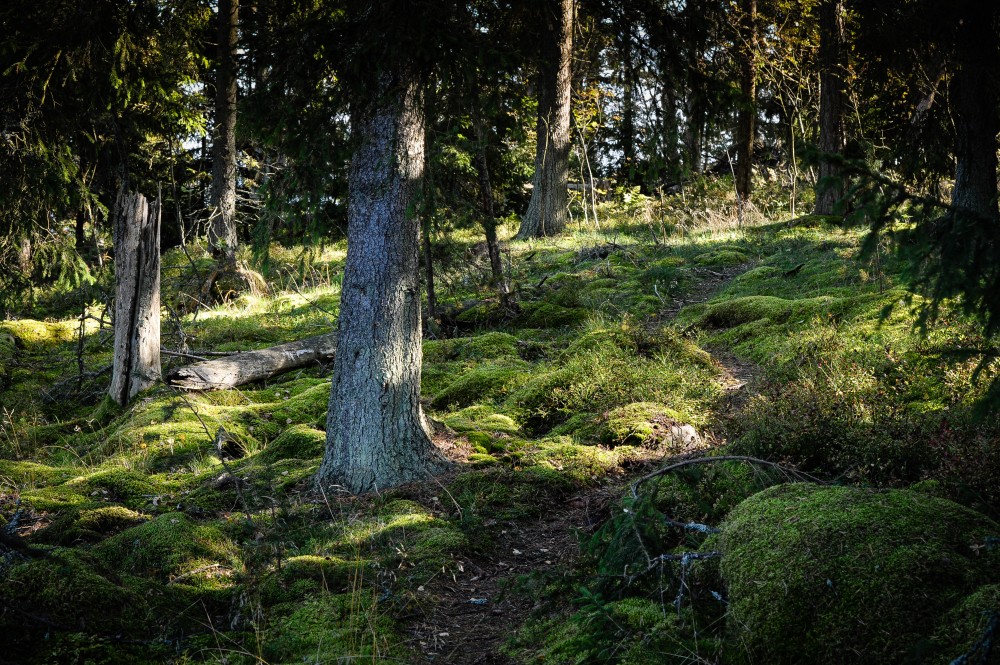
470, 614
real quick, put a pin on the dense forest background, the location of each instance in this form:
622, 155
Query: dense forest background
570, 331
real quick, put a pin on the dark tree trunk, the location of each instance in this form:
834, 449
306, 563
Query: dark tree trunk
546, 214
746, 119
832, 101
376, 434
490, 225
136, 364
974, 94
222, 232
627, 168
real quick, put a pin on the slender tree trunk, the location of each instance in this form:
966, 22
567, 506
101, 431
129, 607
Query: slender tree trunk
136, 364
831, 103
546, 213
490, 224
746, 120
627, 168
376, 436
222, 232
977, 122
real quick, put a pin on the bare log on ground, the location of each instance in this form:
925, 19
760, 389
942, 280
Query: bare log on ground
241, 368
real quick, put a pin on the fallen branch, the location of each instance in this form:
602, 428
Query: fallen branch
241, 368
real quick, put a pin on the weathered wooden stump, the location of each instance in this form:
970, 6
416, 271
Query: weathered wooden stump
136, 364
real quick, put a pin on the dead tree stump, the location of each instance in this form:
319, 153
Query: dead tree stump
136, 364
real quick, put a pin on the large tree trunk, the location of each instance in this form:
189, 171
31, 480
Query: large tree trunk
222, 232
977, 122
546, 214
376, 435
746, 119
831, 103
242, 368
136, 364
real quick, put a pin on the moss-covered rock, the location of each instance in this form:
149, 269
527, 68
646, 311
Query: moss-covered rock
549, 315
482, 418
646, 423
170, 546
844, 575
32, 334
721, 257
297, 442
484, 382
89, 525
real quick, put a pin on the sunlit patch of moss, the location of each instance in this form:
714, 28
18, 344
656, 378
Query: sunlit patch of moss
638, 423
481, 418
40, 334
484, 382
296, 442
32, 474
332, 572
549, 315
55, 498
333, 628
721, 257
843, 575
486, 346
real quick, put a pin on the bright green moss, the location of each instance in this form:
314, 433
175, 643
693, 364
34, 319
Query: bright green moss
484, 382
639, 423
842, 575
483, 418
89, 525
34, 334
721, 257
549, 315
297, 442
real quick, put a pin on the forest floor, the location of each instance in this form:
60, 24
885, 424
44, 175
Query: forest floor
632, 346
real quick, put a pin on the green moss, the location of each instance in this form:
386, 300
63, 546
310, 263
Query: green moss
842, 575
69, 592
333, 629
482, 418
32, 474
481, 314
639, 423
484, 382
122, 486
962, 627
43, 334
334, 573
721, 257
297, 442
548, 315
170, 546
89, 525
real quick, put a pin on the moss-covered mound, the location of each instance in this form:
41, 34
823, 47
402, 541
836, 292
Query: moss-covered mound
845, 575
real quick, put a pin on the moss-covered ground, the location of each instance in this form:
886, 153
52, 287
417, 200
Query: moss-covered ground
157, 547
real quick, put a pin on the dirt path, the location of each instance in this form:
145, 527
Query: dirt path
470, 615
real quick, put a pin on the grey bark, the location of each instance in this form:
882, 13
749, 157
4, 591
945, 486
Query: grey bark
546, 214
222, 232
136, 364
831, 103
243, 368
376, 433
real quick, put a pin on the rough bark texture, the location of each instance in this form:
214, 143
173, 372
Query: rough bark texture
746, 120
376, 436
136, 363
243, 368
546, 214
977, 122
222, 233
831, 103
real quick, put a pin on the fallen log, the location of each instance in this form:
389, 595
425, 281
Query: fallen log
241, 368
